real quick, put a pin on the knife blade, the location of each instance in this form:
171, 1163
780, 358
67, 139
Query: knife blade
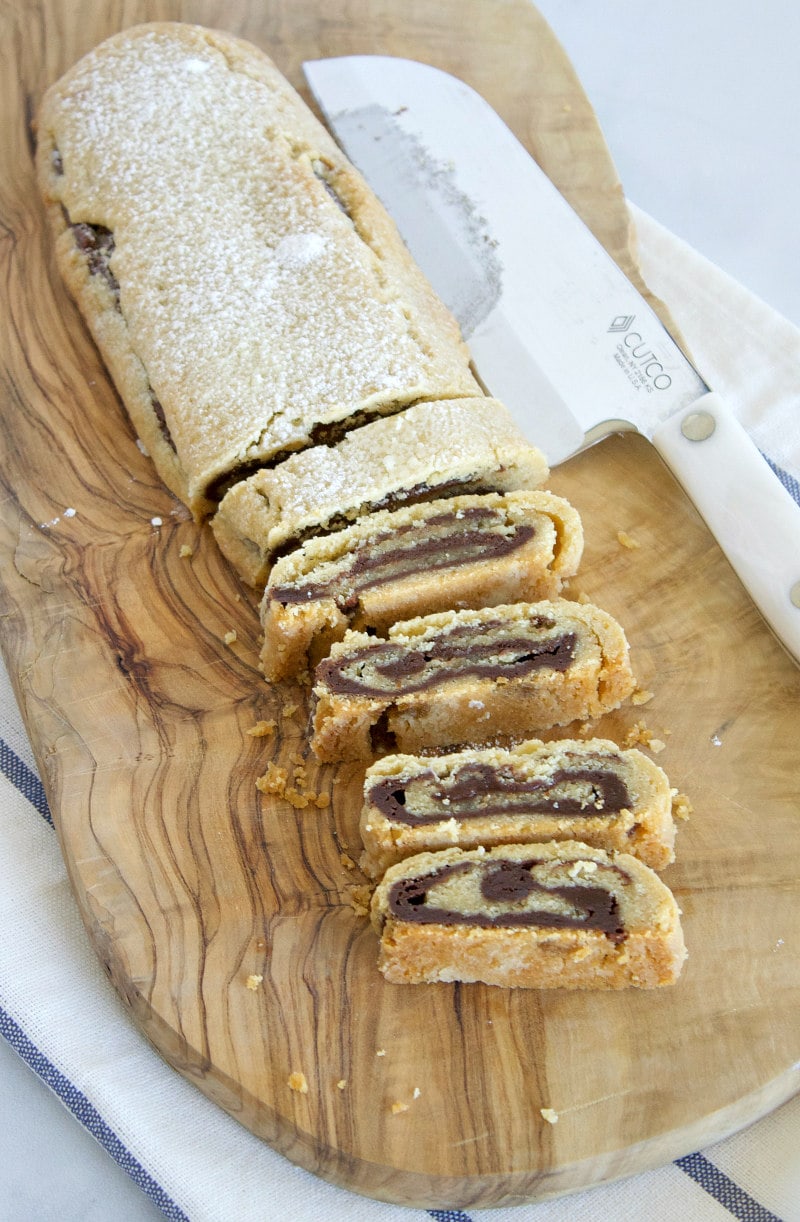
555, 329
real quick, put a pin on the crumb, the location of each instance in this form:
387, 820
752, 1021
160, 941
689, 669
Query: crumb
230, 637
641, 697
298, 1082
156, 522
70, 513
347, 861
360, 898
186, 552
252, 982
398, 1107
381, 1052
657, 745
341, 1084
289, 710
273, 780
625, 540
416, 1093
638, 735
322, 800
681, 806
262, 729
549, 1114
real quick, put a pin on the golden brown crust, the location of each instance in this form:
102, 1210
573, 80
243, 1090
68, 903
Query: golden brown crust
649, 954
462, 709
645, 828
246, 248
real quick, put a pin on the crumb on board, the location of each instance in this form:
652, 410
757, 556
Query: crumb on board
642, 696
298, 794
253, 981
262, 729
360, 898
626, 540
549, 1114
347, 861
398, 1106
415, 1094
341, 1084
381, 1052
681, 806
186, 552
156, 522
298, 1082
289, 710
639, 736
230, 636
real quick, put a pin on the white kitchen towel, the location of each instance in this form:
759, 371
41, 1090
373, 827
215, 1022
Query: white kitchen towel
58, 1010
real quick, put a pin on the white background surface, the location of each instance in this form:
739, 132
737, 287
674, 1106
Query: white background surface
699, 101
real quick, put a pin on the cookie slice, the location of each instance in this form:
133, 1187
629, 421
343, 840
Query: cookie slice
466, 551
462, 677
248, 292
573, 789
429, 451
559, 915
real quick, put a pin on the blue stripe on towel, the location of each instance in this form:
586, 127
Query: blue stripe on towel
789, 482
697, 1166
88, 1115
723, 1189
27, 782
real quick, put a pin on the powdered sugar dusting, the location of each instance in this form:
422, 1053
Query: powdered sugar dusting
252, 303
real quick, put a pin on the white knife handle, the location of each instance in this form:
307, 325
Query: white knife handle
752, 516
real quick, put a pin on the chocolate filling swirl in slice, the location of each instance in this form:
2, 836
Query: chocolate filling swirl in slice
562, 915
570, 789
465, 551
499, 673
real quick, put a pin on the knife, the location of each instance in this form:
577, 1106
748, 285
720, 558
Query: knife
554, 327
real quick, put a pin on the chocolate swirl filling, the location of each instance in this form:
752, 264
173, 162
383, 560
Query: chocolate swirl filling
577, 905
485, 651
478, 791
441, 541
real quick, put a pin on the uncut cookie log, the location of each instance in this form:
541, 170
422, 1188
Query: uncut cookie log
466, 551
243, 284
428, 451
558, 915
573, 789
454, 678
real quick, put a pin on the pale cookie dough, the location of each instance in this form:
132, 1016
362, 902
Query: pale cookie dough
428, 451
559, 915
243, 284
466, 551
464, 677
572, 789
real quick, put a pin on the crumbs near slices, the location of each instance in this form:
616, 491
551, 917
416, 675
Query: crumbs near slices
262, 729
186, 552
640, 696
626, 540
298, 1082
360, 899
549, 1114
640, 736
230, 637
252, 982
681, 806
295, 791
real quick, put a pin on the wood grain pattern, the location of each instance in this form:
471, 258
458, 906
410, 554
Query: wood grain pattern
189, 881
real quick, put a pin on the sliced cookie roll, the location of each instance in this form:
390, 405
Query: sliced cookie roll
465, 551
462, 677
246, 289
559, 915
573, 789
429, 451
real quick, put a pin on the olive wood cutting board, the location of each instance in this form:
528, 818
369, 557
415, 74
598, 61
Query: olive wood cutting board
190, 881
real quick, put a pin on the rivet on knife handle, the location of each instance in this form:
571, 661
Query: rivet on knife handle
755, 520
